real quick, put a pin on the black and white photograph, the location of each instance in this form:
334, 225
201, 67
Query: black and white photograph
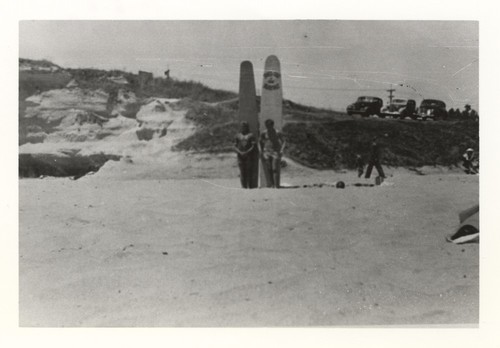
249, 173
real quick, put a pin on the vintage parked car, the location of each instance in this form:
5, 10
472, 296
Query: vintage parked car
400, 108
432, 109
393, 108
366, 106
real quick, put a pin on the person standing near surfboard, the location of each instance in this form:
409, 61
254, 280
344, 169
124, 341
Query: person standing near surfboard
271, 105
271, 147
245, 146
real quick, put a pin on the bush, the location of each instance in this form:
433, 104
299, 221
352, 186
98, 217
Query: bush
33, 166
216, 139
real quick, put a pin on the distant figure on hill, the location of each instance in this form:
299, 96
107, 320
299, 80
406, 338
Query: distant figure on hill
244, 144
469, 113
167, 74
469, 161
375, 159
271, 147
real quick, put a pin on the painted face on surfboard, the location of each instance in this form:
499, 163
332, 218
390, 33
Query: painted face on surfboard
272, 80
272, 89
272, 74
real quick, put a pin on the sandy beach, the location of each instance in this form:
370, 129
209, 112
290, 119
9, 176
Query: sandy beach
119, 248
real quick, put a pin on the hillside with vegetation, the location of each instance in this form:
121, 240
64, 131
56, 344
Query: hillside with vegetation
82, 106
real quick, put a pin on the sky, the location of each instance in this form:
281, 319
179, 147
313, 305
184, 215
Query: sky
325, 63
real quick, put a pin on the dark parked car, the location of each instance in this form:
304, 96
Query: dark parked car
410, 110
366, 106
432, 109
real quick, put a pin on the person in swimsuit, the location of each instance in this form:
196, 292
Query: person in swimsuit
244, 144
271, 147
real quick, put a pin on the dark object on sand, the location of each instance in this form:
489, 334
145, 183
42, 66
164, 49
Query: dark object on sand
379, 180
468, 231
340, 185
358, 184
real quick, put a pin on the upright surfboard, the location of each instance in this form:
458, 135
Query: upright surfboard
271, 105
248, 112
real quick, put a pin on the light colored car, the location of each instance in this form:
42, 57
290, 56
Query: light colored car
394, 109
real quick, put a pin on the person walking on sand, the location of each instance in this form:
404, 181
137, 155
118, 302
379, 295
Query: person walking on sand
375, 158
244, 144
271, 147
360, 165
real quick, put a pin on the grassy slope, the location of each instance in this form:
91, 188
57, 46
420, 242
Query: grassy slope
408, 143
329, 140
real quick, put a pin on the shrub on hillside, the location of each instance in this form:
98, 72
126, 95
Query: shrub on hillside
32, 82
206, 115
172, 88
216, 139
35, 165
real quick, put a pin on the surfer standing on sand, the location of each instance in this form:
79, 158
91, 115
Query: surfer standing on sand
271, 147
244, 144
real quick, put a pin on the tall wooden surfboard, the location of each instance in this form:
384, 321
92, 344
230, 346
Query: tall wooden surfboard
271, 104
248, 112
